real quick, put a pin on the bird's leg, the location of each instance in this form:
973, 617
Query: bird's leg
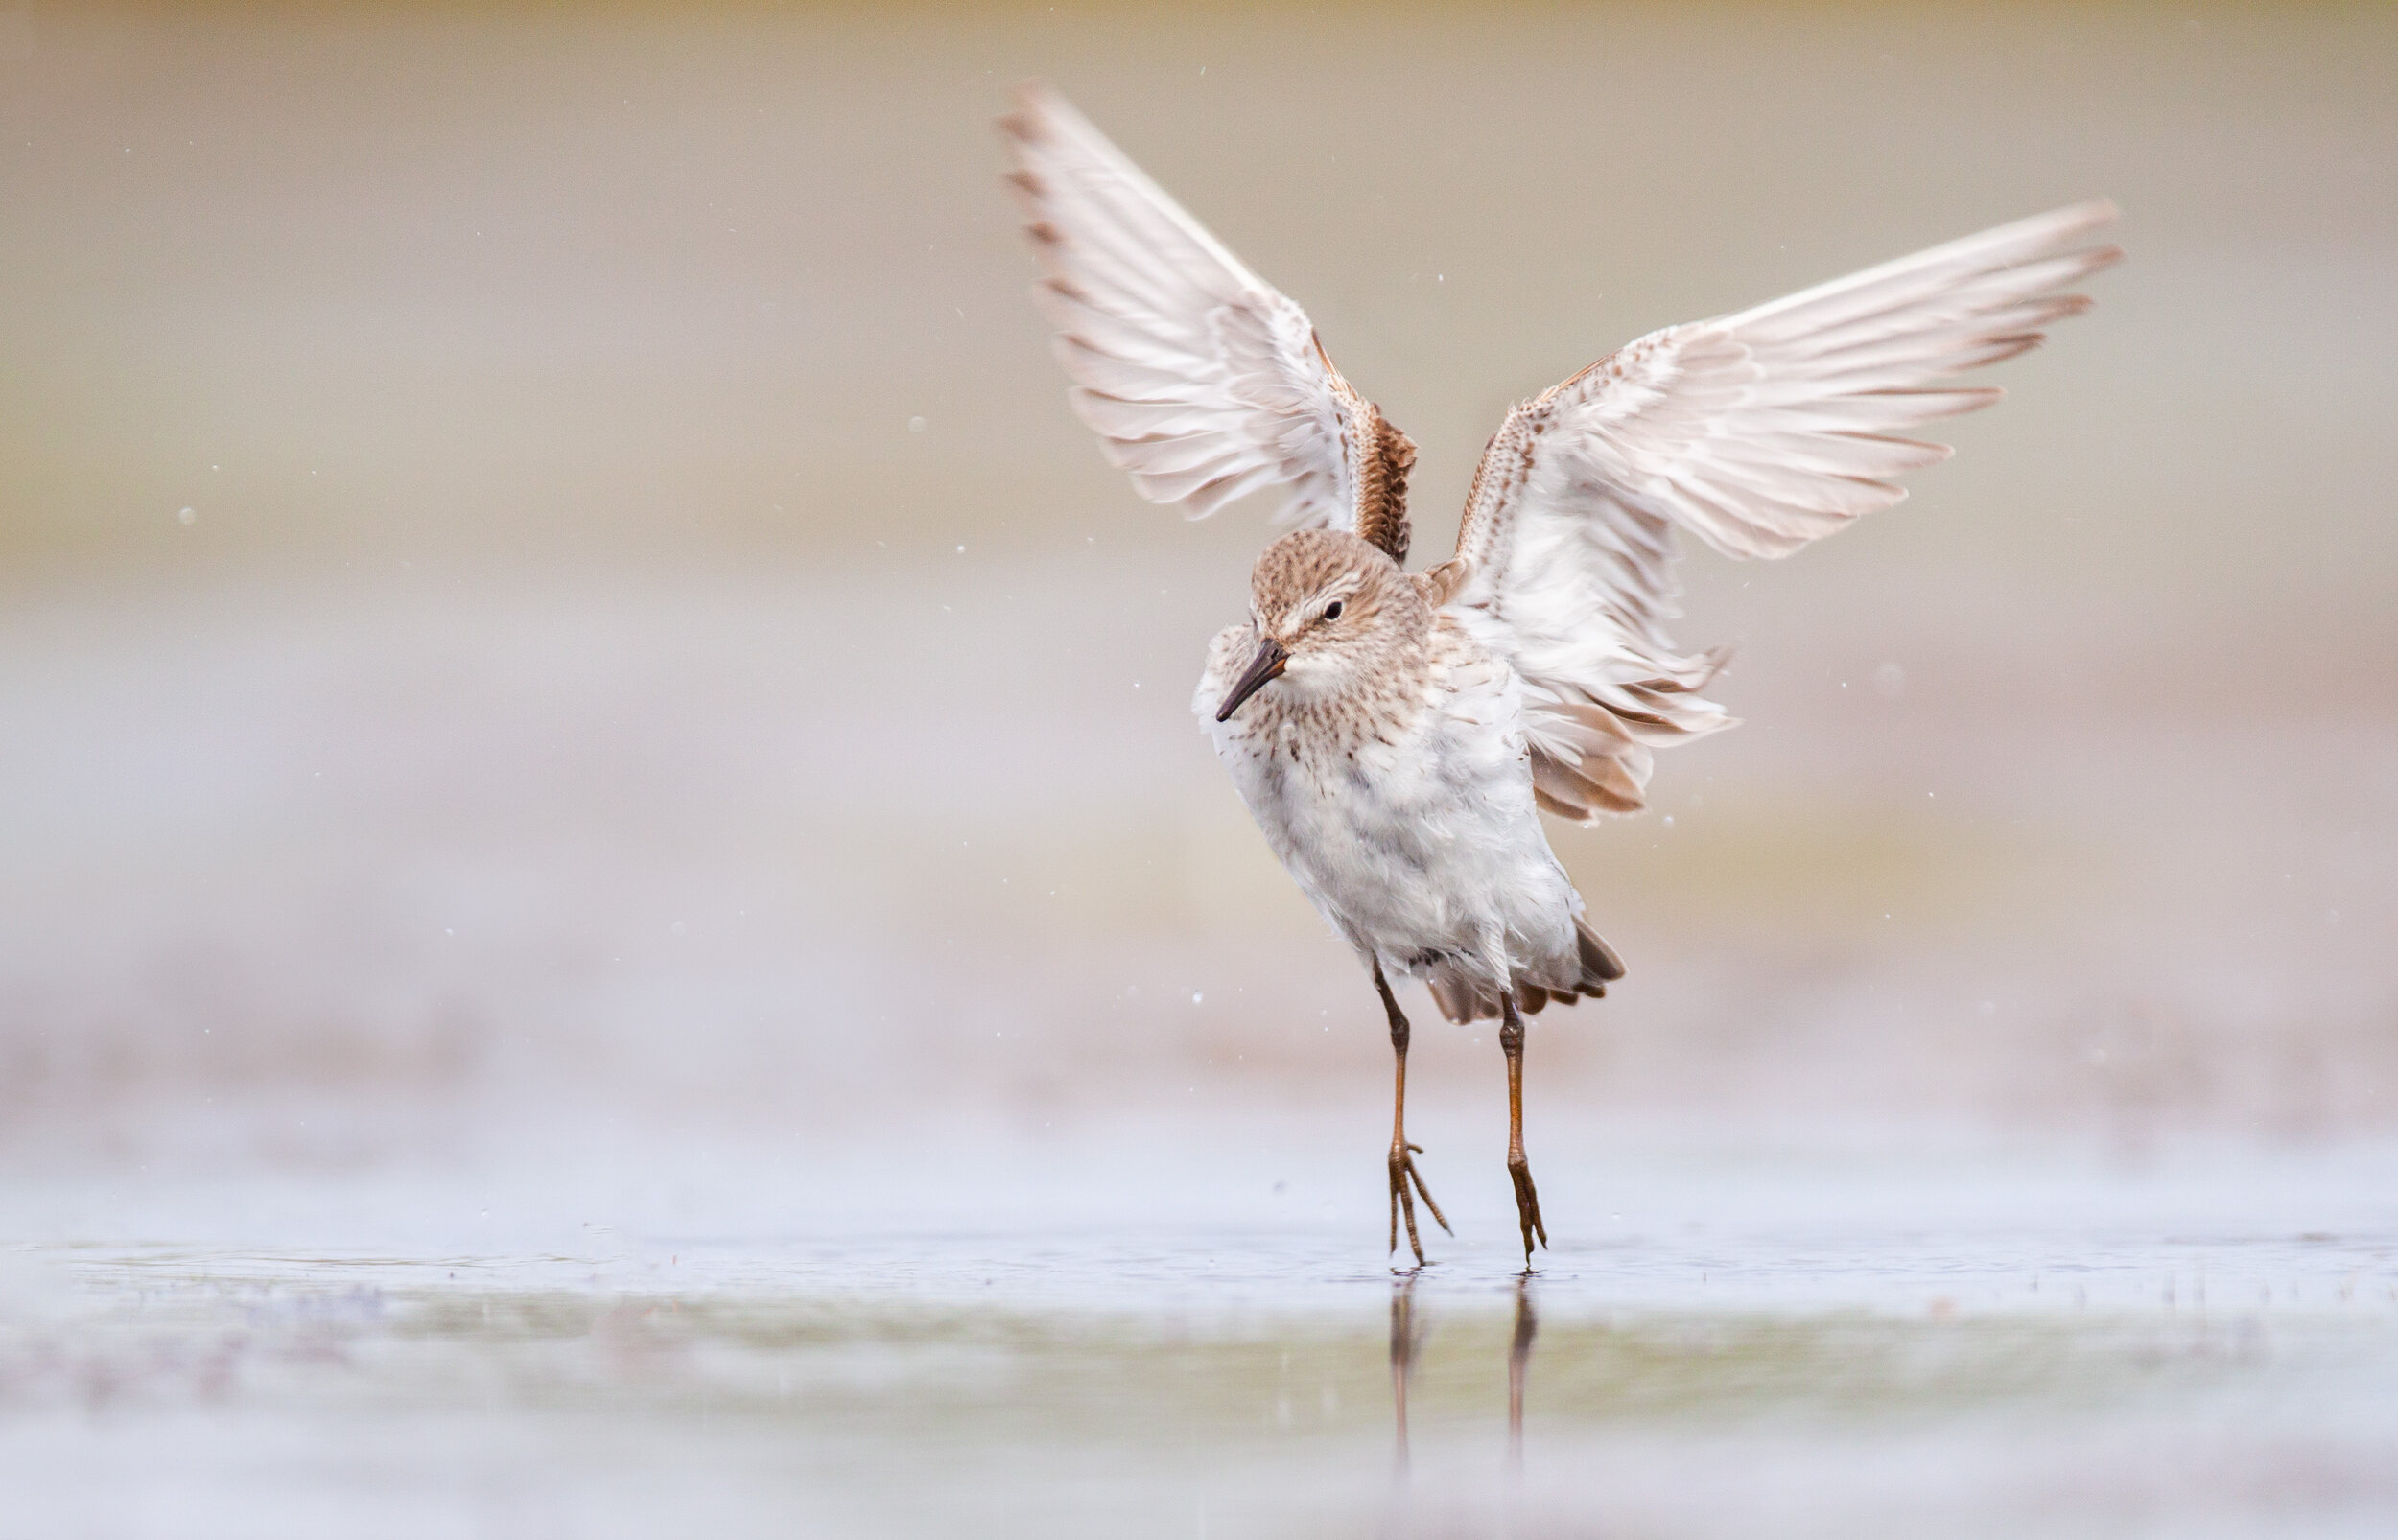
1527, 1200
1402, 1154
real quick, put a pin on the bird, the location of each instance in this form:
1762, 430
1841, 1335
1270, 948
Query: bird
1398, 735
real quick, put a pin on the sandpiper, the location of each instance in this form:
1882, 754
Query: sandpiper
1398, 735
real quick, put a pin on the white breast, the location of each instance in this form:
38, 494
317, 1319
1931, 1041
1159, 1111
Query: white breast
1416, 834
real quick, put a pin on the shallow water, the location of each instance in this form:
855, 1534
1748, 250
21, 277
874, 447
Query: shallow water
1794, 1341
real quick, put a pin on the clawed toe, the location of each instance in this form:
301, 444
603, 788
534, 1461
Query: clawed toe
1527, 1208
1406, 1183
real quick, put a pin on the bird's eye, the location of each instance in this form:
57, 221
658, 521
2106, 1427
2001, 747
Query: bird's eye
1332, 610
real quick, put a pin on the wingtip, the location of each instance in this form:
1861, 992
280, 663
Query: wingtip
1033, 106
2075, 221
2052, 231
1032, 93
2079, 218
1041, 112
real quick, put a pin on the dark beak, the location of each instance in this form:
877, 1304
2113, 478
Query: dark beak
1267, 665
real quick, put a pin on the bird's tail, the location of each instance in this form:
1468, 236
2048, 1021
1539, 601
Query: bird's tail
1600, 967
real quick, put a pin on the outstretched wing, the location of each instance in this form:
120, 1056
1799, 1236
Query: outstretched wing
1201, 380
1757, 433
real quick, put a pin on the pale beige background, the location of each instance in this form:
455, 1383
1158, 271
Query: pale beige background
646, 635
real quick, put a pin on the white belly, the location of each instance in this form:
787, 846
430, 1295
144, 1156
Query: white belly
1422, 845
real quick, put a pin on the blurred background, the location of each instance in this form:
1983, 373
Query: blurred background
550, 581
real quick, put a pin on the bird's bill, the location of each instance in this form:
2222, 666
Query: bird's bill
1272, 656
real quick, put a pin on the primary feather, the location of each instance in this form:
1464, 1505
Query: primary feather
1757, 433
1200, 378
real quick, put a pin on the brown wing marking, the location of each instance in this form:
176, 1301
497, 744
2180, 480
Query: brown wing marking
1382, 457
1382, 486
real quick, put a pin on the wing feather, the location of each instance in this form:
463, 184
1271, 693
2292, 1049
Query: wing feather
1757, 433
1201, 380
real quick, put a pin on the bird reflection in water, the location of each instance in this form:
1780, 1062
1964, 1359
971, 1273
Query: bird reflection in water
1518, 1367
1406, 1337
1409, 1330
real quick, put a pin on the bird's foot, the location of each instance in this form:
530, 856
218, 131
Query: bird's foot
1403, 1173
1527, 1206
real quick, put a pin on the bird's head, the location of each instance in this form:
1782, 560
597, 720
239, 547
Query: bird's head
1331, 611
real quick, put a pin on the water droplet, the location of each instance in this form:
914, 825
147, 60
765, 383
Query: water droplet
915, 425
187, 517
